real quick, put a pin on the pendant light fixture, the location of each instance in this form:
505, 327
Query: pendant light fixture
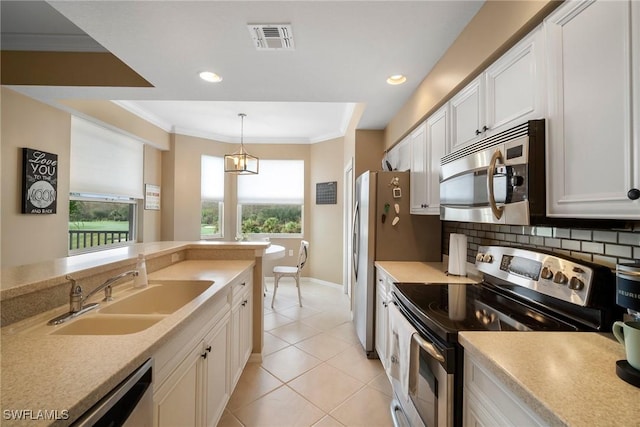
241, 162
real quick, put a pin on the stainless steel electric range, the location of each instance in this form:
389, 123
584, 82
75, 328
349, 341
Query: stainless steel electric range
521, 290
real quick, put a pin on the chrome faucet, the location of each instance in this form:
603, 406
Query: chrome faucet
77, 300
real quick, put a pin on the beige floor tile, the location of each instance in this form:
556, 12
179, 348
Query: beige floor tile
346, 332
328, 421
297, 312
327, 320
289, 363
281, 407
354, 362
323, 346
229, 420
325, 386
382, 384
275, 320
367, 407
294, 332
272, 344
254, 383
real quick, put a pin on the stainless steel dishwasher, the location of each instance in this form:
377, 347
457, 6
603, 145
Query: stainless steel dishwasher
130, 404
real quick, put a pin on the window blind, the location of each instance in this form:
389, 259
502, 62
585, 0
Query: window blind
279, 182
105, 162
212, 178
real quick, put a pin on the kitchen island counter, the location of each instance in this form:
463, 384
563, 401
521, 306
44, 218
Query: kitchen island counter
565, 378
66, 374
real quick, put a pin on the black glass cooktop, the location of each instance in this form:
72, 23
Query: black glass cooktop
446, 309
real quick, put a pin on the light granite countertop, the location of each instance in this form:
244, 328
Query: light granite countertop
566, 378
424, 272
66, 372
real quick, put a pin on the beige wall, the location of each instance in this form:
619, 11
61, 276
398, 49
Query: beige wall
27, 123
326, 238
497, 26
369, 151
29, 239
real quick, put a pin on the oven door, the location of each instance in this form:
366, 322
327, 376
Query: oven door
430, 399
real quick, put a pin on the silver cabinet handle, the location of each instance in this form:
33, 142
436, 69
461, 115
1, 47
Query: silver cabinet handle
497, 211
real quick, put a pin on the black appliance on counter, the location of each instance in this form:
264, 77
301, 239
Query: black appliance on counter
521, 290
628, 297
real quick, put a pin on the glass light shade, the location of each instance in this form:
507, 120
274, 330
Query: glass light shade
241, 163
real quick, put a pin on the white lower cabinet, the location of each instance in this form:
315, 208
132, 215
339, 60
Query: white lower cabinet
383, 297
197, 391
489, 402
195, 371
241, 328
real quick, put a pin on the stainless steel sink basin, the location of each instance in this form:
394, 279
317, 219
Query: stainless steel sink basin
106, 325
161, 297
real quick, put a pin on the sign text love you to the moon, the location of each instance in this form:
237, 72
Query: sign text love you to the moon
39, 181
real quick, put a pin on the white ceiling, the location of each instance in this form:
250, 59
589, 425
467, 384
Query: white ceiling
344, 51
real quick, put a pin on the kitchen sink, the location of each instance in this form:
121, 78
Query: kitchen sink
161, 297
107, 325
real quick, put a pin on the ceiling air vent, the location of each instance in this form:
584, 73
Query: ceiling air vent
272, 36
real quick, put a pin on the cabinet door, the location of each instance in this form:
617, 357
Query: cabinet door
437, 140
176, 401
419, 197
593, 158
246, 329
467, 114
404, 151
515, 85
216, 387
381, 324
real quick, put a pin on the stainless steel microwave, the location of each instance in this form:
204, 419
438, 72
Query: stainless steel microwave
497, 180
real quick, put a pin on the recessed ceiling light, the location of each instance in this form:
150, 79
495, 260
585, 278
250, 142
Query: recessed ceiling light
208, 76
396, 79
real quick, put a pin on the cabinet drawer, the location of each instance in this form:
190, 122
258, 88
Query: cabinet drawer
240, 288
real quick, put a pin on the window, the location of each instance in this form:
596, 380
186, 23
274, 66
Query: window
271, 202
105, 187
211, 196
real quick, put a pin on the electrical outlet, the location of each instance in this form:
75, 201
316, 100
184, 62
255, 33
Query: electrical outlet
175, 257
290, 252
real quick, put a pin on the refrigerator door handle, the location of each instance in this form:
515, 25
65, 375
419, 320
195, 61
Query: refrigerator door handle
355, 240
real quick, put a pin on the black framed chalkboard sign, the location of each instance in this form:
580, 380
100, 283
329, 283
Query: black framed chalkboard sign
39, 182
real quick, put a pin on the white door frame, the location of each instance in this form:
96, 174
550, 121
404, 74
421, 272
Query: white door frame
347, 267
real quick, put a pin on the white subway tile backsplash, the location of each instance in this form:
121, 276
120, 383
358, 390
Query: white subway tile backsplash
617, 251
593, 247
629, 239
581, 234
606, 247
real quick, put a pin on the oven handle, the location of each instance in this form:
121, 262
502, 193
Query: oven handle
428, 347
491, 170
395, 408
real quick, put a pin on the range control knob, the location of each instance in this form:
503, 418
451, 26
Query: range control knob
517, 180
560, 278
487, 258
546, 273
576, 284
479, 257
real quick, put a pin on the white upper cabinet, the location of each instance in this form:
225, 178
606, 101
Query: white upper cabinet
399, 157
593, 146
508, 93
467, 114
515, 85
428, 144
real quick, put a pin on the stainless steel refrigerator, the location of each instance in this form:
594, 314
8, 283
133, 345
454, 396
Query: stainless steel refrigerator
384, 230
